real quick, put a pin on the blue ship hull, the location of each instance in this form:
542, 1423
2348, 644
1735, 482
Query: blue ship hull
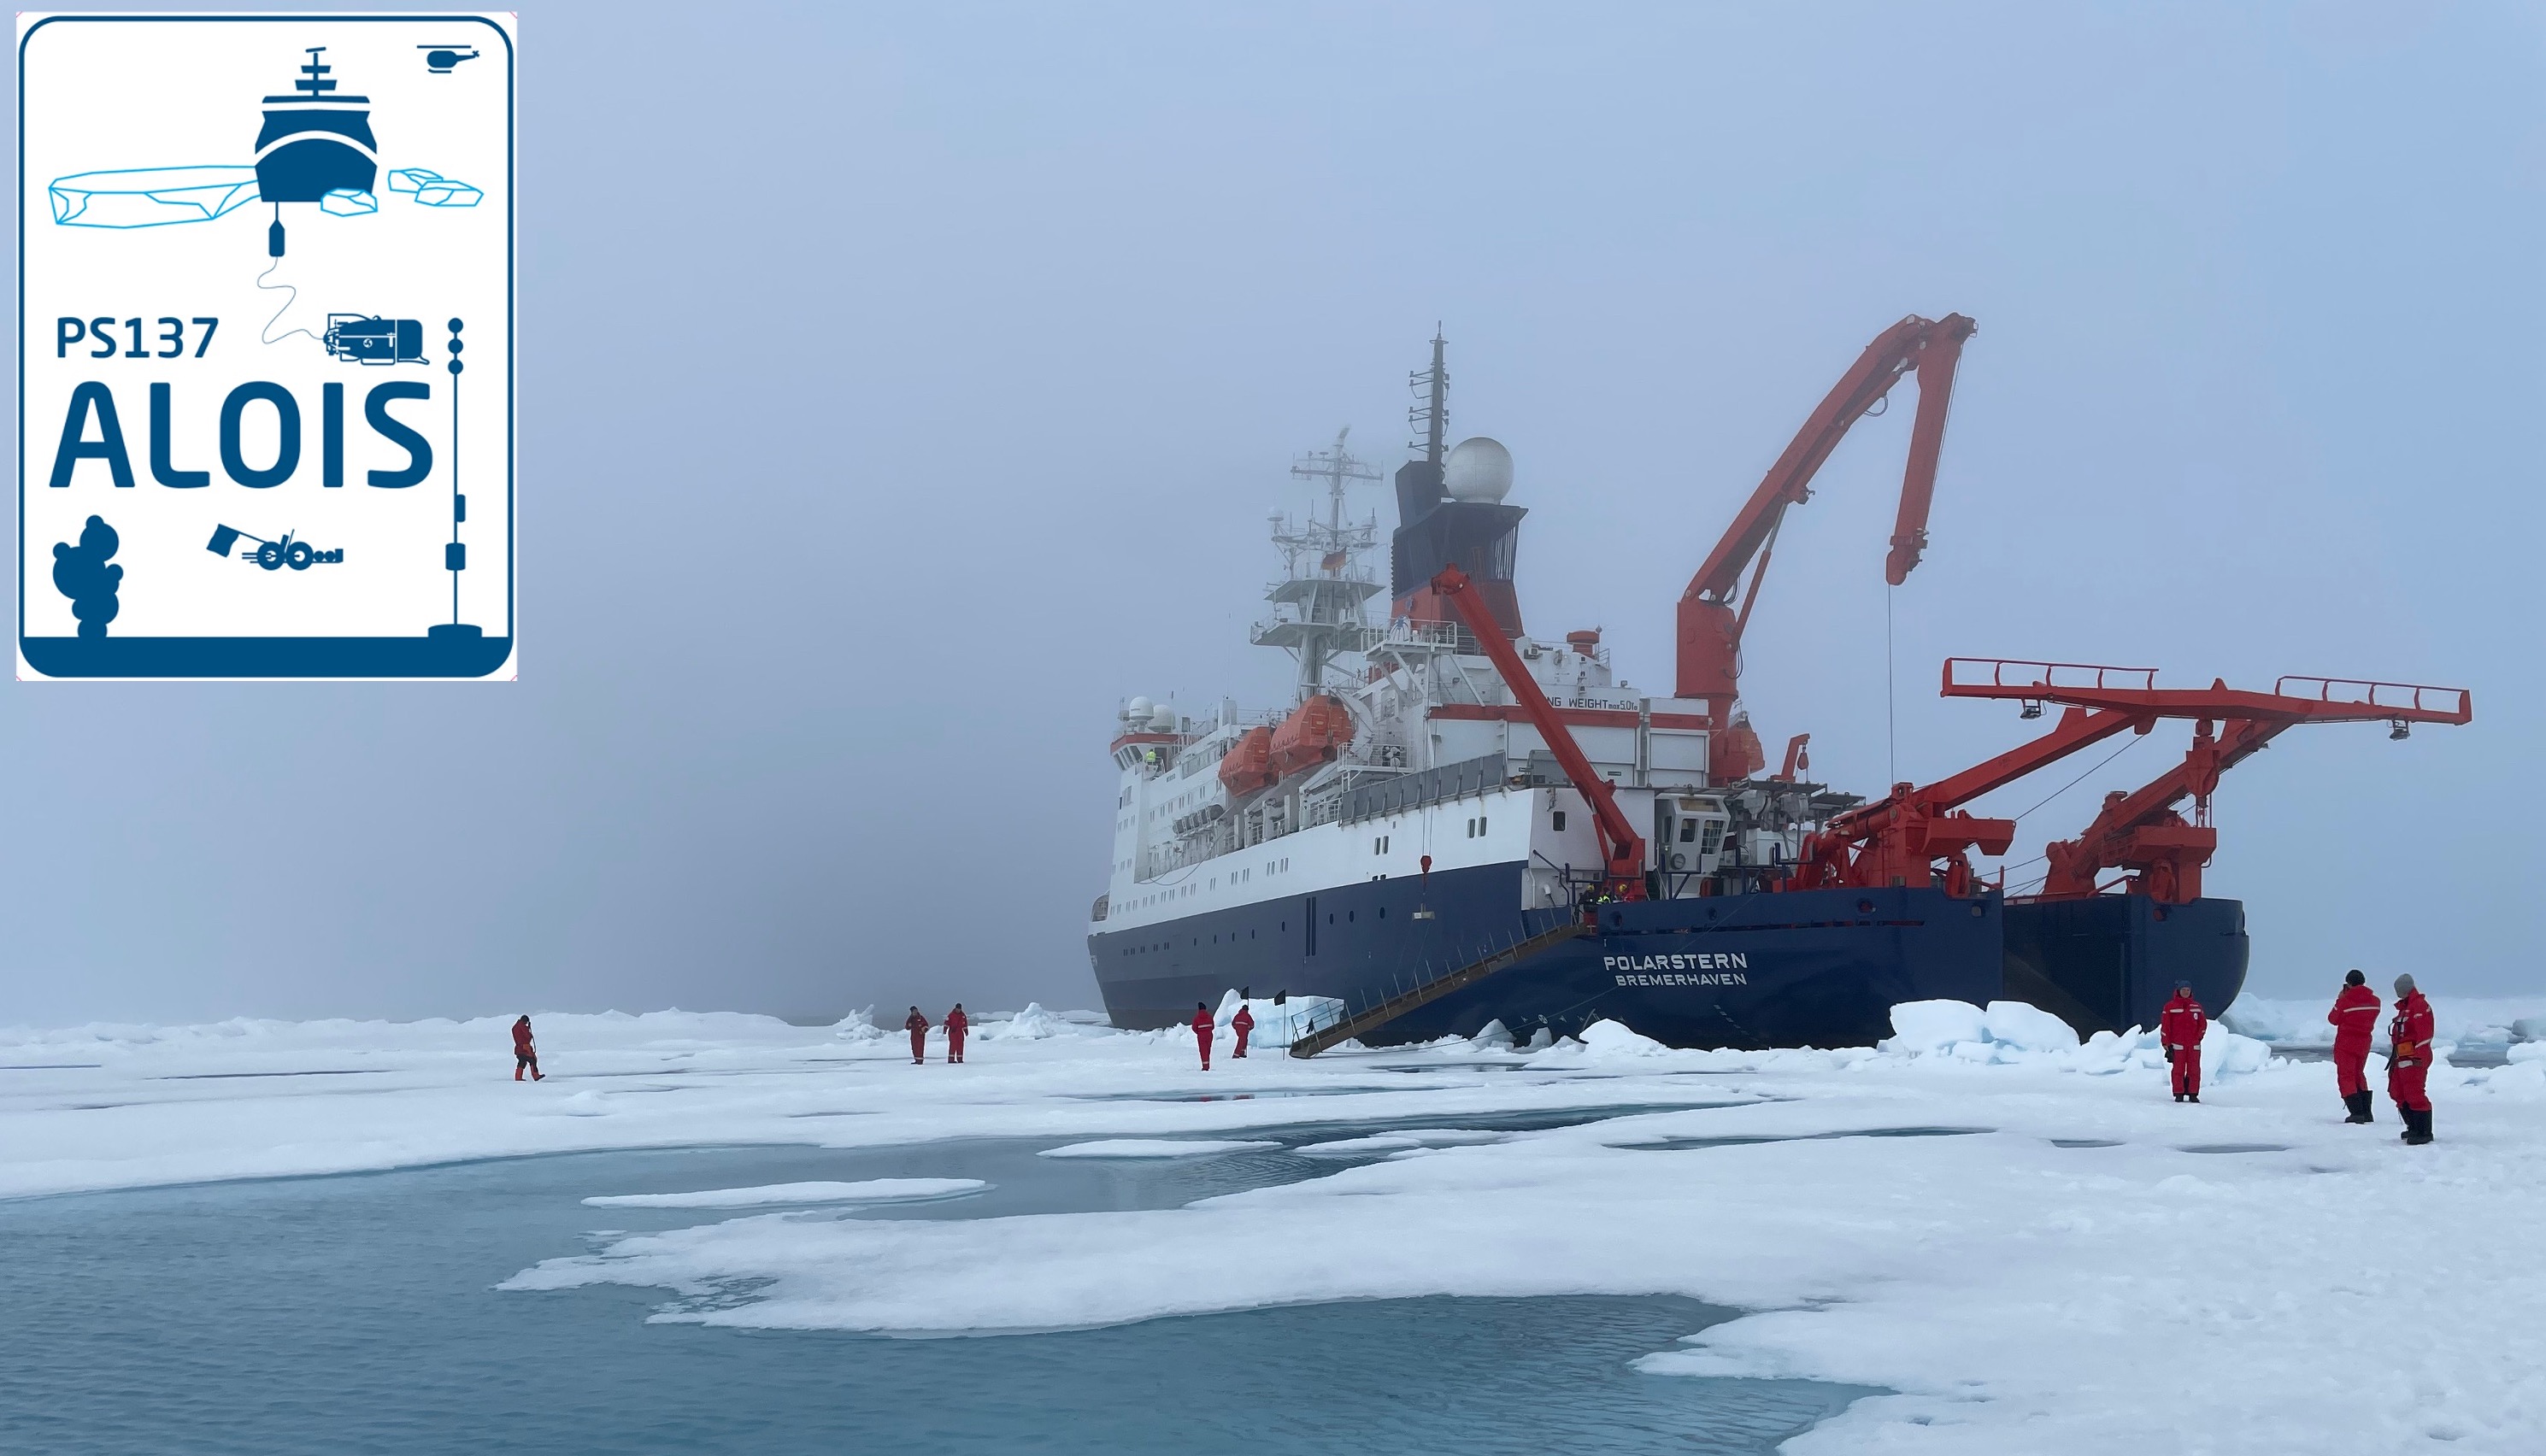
1819, 968
2109, 962
1815, 968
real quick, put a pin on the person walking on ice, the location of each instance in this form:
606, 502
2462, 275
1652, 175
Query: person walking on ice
2180, 1026
2408, 1061
917, 1026
526, 1051
1242, 1023
956, 1025
2355, 1019
1202, 1028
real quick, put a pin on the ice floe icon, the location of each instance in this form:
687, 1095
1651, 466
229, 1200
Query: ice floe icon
433, 189
149, 197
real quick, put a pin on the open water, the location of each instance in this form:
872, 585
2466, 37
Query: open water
357, 1314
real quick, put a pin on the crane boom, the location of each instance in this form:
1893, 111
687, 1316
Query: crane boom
2140, 831
1710, 633
1622, 849
1906, 837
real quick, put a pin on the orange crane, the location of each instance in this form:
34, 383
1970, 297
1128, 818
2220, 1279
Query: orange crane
1622, 849
1918, 834
1710, 629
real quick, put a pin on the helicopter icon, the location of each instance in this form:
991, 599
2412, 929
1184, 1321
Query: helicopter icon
439, 59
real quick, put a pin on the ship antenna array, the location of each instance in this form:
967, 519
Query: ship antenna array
1432, 416
1335, 466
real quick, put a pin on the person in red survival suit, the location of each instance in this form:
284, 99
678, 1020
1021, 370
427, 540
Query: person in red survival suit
2181, 1027
917, 1026
955, 1024
2409, 1060
1202, 1032
526, 1052
1242, 1023
2355, 1017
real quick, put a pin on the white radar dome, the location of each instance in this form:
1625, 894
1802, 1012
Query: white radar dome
1478, 469
1163, 720
1137, 710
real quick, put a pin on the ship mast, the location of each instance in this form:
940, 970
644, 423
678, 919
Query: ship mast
1432, 416
1325, 581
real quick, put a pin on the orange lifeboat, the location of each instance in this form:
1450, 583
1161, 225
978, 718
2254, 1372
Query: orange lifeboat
1312, 734
1249, 764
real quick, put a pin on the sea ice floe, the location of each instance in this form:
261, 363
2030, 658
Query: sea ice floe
1277, 1026
2014, 1295
1033, 1024
868, 1190
347, 202
1153, 1148
1404, 1140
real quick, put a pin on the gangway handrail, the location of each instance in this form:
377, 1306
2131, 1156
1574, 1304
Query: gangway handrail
2368, 692
1389, 1007
2049, 675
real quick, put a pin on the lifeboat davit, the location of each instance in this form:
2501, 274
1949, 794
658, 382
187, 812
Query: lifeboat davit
1314, 733
1249, 764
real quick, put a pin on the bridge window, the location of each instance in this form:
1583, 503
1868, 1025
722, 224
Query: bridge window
1559, 821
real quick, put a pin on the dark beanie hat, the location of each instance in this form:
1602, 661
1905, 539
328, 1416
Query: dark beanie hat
2355, 979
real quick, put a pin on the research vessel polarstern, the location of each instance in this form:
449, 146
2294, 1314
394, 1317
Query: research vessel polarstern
1457, 825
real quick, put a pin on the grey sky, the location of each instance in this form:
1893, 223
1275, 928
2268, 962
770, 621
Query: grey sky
954, 355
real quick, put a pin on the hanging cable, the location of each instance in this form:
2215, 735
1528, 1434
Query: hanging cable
1890, 712
2126, 747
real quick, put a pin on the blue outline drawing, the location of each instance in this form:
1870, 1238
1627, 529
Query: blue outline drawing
150, 196
433, 189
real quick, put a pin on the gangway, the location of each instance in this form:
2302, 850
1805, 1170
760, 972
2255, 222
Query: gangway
1380, 1013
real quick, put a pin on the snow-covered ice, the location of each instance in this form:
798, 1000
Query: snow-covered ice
864, 1191
2091, 1273
1403, 1140
1157, 1147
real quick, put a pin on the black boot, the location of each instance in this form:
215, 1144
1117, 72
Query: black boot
2417, 1126
2358, 1102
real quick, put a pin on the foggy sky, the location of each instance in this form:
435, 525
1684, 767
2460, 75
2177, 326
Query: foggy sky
903, 388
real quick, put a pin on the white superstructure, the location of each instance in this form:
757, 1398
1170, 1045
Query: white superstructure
1437, 761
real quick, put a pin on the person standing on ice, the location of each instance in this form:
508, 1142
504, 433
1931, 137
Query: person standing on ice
917, 1026
2180, 1026
956, 1025
2408, 1061
526, 1052
2355, 1017
1242, 1023
1202, 1032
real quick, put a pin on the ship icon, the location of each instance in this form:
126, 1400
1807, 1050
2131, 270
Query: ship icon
315, 141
